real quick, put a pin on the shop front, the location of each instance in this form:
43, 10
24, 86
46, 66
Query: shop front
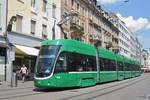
25, 55
25, 48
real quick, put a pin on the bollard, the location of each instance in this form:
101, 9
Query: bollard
14, 80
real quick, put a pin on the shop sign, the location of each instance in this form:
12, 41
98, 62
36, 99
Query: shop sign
12, 55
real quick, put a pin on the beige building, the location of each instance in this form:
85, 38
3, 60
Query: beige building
31, 25
37, 21
92, 23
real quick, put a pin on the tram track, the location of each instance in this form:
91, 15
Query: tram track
119, 86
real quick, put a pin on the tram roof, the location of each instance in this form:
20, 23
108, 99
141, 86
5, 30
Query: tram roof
80, 47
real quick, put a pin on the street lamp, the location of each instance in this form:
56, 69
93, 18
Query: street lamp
12, 20
9, 29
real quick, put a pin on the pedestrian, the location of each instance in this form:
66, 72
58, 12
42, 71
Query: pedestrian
24, 71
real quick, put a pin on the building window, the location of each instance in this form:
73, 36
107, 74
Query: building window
44, 6
83, 11
91, 29
83, 26
19, 23
54, 11
33, 4
78, 21
65, 2
72, 3
91, 14
44, 31
78, 6
33, 23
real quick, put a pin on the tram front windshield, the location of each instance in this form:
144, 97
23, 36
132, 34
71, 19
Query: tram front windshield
45, 60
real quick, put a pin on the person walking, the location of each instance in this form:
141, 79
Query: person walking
24, 71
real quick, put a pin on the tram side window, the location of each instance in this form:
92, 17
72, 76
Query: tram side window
112, 65
107, 65
120, 66
71, 62
130, 67
79, 62
137, 68
133, 67
85, 63
102, 66
91, 63
127, 67
61, 64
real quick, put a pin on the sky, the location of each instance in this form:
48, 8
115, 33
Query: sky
136, 15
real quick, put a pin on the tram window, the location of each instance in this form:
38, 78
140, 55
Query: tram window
130, 65
137, 68
61, 64
112, 65
120, 66
90, 63
107, 65
85, 63
79, 62
127, 67
71, 62
133, 67
102, 66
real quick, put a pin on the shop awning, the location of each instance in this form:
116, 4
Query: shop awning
27, 50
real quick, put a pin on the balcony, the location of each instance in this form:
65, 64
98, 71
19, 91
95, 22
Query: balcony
76, 29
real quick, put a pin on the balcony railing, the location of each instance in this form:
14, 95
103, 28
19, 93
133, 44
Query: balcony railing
76, 29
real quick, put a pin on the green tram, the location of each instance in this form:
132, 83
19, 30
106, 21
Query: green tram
70, 63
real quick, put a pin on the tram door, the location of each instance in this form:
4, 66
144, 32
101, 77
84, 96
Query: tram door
64, 70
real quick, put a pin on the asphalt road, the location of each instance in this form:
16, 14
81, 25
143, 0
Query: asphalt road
130, 89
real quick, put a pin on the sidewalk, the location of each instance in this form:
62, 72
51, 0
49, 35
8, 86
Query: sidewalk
6, 85
23, 89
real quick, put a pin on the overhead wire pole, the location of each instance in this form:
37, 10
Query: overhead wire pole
125, 1
63, 21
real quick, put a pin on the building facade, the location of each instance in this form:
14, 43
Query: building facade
36, 20
92, 23
124, 40
3, 45
30, 28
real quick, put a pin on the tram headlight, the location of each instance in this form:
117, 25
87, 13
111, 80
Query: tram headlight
39, 82
48, 83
